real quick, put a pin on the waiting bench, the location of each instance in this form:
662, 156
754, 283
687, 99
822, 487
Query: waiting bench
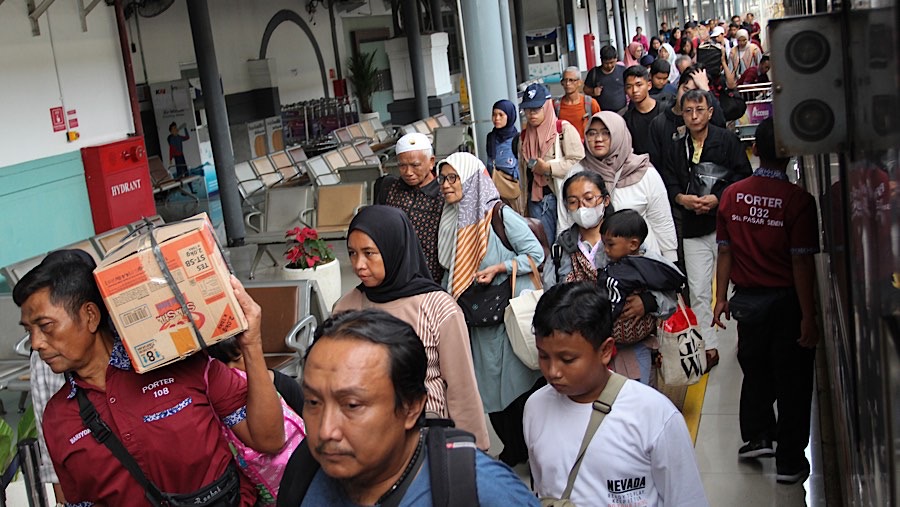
291, 311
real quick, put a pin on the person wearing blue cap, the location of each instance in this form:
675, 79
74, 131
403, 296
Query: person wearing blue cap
549, 148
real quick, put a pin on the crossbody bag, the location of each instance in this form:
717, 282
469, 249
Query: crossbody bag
223, 492
601, 407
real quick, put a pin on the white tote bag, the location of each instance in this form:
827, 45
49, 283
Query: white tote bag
681, 347
518, 317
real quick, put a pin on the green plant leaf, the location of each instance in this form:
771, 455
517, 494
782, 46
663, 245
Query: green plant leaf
363, 75
27, 425
7, 445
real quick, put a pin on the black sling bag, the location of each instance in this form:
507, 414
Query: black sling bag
223, 492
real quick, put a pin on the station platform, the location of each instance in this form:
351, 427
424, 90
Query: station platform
710, 408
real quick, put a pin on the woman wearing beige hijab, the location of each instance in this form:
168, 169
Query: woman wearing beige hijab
631, 179
744, 55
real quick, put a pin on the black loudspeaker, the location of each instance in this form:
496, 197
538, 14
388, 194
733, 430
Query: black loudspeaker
809, 103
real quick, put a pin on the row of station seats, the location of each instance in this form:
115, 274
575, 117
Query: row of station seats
164, 182
331, 187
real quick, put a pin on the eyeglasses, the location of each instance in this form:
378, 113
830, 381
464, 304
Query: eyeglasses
586, 201
448, 178
568, 80
593, 133
691, 111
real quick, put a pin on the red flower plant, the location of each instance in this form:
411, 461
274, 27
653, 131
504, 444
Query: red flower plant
306, 249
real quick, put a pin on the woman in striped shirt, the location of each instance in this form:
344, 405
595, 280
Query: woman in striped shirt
386, 256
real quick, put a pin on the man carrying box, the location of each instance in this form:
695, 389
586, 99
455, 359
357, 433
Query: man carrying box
165, 421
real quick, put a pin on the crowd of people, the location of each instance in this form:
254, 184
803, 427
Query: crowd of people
613, 198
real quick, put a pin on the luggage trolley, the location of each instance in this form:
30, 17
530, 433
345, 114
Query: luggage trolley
758, 98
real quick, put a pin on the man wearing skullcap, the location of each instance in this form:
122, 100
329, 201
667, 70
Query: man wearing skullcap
416, 192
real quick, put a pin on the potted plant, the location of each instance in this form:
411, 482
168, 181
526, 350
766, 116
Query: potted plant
311, 258
364, 77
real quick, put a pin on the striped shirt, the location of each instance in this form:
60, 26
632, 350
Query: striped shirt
450, 375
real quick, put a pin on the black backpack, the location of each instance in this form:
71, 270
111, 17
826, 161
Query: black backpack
710, 55
451, 461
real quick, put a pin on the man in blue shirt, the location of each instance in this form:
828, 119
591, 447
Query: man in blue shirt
364, 389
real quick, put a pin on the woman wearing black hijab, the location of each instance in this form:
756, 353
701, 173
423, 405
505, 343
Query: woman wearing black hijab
386, 256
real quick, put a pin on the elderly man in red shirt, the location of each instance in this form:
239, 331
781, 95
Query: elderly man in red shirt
767, 235
169, 420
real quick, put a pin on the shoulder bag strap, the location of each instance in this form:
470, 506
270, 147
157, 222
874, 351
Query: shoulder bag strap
298, 475
498, 225
601, 407
535, 279
105, 436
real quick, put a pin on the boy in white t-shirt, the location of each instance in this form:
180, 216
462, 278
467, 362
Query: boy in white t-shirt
642, 453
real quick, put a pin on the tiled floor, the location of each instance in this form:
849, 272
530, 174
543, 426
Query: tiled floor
727, 480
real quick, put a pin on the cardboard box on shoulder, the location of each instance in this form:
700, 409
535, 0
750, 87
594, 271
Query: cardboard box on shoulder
143, 307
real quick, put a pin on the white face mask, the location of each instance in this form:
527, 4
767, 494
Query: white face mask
588, 218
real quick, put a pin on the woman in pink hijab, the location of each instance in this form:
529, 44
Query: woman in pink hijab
549, 148
633, 54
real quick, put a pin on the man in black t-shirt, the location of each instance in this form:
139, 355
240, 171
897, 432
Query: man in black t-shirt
606, 83
643, 108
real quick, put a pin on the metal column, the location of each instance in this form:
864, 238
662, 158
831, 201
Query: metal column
219, 136
521, 41
509, 58
621, 40
484, 49
603, 35
652, 20
437, 23
679, 12
416, 57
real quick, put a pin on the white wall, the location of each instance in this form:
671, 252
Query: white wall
238, 27
90, 73
581, 23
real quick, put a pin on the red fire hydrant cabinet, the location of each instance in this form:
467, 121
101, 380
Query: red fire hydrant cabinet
118, 183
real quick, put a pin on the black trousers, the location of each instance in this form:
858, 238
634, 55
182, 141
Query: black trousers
508, 425
776, 370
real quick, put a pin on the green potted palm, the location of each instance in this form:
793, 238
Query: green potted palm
364, 77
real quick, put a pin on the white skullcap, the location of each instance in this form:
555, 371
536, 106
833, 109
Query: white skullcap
412, 142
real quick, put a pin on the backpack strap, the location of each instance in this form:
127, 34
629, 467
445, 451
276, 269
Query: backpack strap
559, 125
298, 475
497, 225
588, 106
556, 253
451, 460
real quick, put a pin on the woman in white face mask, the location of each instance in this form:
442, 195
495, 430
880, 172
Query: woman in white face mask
632, 181
578, 255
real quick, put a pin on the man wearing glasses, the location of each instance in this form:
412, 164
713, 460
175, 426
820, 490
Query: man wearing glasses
717, 154
575, 107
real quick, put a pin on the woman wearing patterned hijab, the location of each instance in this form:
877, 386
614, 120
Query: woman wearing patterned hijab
471, 252
386, 256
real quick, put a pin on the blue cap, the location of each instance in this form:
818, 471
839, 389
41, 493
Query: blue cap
535, 96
